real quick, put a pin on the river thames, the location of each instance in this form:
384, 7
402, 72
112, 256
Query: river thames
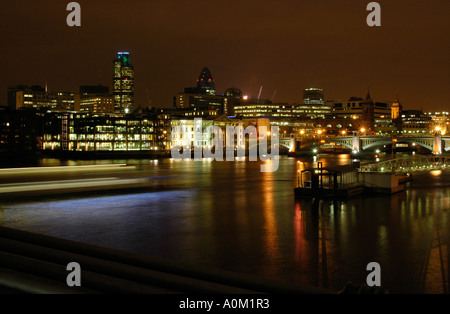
231, 216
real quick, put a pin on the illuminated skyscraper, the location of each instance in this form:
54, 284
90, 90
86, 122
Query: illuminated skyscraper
205, 82
123, 83
202, 99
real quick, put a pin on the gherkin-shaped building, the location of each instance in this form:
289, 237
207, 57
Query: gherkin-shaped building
205, 82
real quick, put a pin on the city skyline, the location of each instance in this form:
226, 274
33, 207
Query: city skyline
256, 147
245, 46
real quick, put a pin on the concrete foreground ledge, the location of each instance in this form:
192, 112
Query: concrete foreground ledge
35, 263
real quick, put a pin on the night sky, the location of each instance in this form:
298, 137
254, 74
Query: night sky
284, 46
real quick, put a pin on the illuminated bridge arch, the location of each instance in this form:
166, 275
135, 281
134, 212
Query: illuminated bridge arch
371, 143
285, 143
345, 141
446, 144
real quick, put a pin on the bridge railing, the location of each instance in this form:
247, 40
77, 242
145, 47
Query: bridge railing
408, 165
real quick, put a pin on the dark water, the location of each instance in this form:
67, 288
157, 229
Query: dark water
229, 215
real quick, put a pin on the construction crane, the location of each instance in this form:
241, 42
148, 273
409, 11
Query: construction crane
260, 91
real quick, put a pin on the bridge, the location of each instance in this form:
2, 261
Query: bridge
408, 165
437, 143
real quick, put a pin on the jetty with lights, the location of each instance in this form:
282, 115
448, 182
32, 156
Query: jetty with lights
388, 176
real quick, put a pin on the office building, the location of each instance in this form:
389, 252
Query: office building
194, 132
20, 130
205, 84
202, 99
96, 99
313, 105
37, 97
415, 122
97, 104
85, 132
261, 108
440, 121
375, 115
234, 98
123, 83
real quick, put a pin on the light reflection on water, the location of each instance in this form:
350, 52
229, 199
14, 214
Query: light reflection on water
230, 215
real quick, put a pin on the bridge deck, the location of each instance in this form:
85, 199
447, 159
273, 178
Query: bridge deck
408, 165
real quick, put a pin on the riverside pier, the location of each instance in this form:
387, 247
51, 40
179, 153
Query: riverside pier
386, 177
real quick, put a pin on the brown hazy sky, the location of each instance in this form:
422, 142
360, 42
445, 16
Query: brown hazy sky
284, 46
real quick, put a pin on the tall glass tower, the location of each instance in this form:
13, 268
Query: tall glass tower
123, 83
205, 82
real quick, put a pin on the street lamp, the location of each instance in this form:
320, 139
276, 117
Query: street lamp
438, 129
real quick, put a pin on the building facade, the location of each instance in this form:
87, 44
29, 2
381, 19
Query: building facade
313, 105
20, 130
37, 97
415, 122
194, 132
233, 98
374, 116
97, 104
85, 132
123, 83
202, 99
259, 108
197, 103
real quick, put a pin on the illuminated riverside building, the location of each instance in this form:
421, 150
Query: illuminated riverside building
255, 108
440, 120
84, 132
194, 132
415, 122
37, 97
376, 116
123, 83
20, 130
283, 115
